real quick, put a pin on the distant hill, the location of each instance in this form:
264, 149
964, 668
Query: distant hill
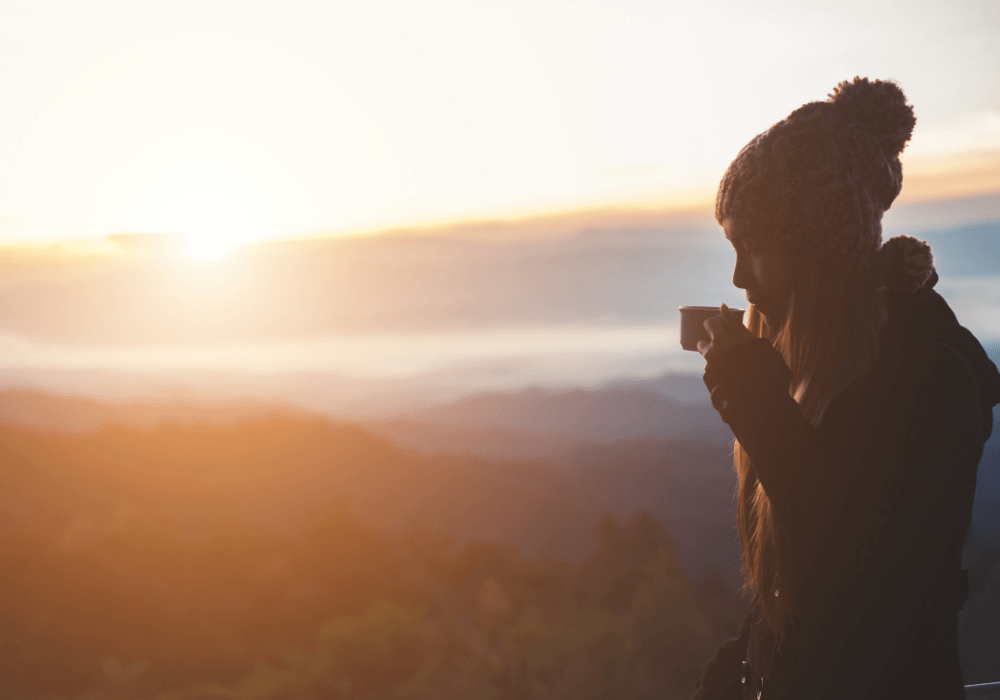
487, 442
76, 414
541, 421
493, 478
682, 388
689, 484
529, 424
278, 469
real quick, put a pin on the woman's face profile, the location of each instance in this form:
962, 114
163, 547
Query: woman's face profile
761, 270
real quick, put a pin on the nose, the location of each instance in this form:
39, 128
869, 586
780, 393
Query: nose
742, 277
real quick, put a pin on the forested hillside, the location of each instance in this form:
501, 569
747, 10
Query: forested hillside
281, 557
289, 556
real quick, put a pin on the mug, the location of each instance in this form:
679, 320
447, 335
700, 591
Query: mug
693, 323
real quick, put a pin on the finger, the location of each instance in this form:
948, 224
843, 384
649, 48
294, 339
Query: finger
704, 346
714, 326
729, 317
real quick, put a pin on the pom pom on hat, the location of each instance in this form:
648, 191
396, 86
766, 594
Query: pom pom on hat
879, 108
903, 263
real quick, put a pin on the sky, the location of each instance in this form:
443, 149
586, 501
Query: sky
240, 121
180, 181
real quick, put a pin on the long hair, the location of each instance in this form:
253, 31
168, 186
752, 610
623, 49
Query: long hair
811, 338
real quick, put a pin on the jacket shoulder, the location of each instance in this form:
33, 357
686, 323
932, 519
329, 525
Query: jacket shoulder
933, 341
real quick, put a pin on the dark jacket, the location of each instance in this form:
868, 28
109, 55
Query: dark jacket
876, 502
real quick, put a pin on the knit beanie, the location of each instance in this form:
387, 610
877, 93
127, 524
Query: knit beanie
820, 180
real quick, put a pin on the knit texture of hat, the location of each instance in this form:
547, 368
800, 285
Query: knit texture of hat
820, 180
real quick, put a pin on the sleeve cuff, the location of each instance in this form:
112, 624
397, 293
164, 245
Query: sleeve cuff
750, 368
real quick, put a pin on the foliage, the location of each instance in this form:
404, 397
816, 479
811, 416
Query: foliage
342, 610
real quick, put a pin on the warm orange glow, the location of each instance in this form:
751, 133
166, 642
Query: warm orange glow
962, 174
263, 125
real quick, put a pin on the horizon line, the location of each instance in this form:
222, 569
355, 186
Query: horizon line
534, 224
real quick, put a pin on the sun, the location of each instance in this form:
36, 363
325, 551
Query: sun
214, 227
212, 188
208, 247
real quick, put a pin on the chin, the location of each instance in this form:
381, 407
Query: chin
771, 319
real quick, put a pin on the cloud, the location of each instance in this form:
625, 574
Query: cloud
960, 174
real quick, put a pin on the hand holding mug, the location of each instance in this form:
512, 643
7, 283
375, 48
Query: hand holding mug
725, 332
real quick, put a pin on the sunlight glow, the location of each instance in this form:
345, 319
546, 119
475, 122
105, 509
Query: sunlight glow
212, 186
149, 121
208, 248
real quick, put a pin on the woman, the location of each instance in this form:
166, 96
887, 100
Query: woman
860, 407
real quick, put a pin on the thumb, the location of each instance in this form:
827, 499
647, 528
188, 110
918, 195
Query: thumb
728, 316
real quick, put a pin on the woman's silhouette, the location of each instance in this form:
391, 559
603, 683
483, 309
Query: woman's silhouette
860, 407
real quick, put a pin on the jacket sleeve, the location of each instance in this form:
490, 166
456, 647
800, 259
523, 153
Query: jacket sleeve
749, 388
826, 487
721, 679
